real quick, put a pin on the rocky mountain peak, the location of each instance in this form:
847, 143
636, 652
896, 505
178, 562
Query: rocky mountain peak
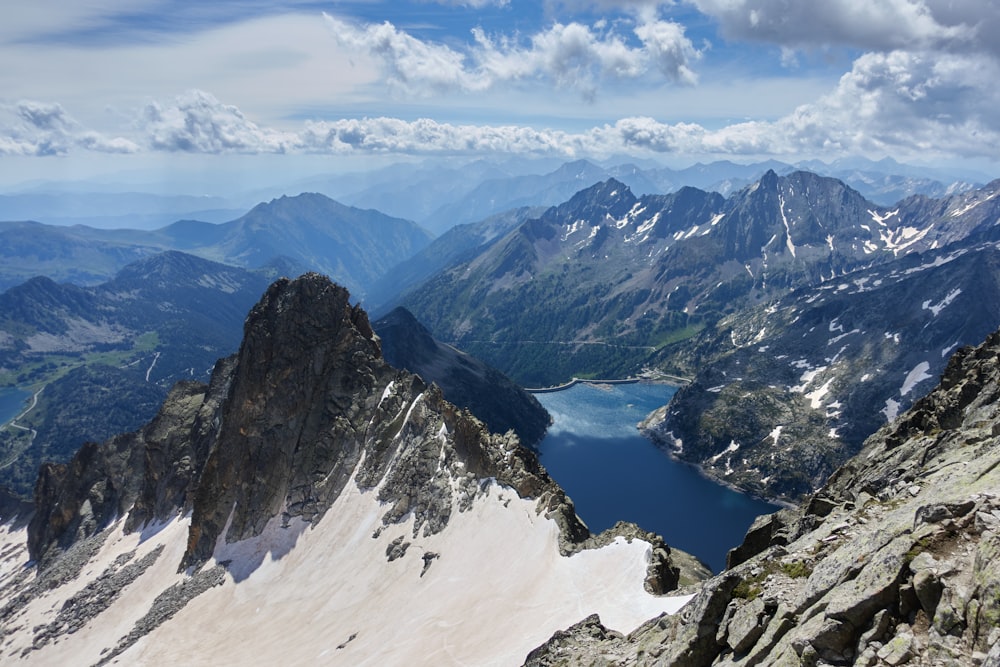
608, 198
306, 407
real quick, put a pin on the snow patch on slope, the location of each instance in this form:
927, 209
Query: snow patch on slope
326, 594
915, 377
943, 303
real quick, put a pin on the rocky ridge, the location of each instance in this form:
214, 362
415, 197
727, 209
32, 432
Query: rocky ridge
465, 381
306, 412
892, 562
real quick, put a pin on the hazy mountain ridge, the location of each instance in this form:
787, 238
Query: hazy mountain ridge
353, 245
476, 191
633, 274
458, 243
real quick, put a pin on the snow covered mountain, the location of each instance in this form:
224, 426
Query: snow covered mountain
312, 504
806, 314
603, 281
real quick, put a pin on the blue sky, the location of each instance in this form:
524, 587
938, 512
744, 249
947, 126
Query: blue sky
120, 85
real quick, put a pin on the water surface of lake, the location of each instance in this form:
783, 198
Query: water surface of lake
594, 451
11, 403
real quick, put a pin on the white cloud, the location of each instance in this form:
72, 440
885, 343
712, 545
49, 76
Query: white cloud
888, 104
197, 122
392, 135
902, 101
882, 26
568, 55
41, 128
669, 49
269, 65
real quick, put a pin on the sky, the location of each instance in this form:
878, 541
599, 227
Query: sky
173, 86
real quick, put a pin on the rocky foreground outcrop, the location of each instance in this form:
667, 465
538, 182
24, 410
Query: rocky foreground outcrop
893, 562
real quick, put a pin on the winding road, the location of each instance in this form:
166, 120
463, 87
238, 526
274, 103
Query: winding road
13, 424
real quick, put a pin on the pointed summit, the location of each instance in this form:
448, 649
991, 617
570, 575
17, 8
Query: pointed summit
345, 496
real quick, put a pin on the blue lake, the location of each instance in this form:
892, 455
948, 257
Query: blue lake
594, 451
11, 403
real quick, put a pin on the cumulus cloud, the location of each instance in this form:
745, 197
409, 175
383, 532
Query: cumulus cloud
909, 101
30, 127
423, 136
569, 55
197, 122
881, 26
896, 103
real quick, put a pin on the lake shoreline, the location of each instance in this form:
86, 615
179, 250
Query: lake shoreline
671, 380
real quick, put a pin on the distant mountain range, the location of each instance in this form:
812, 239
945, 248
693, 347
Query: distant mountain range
747, 294
439, 198
302, 233
438, 194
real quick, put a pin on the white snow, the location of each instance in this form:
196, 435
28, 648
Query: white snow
788, 231
971, 205
816, 397
943, 303
837, 339
293, 595
880, 219
716, 219
891, 409
775, 434
948, 350
572, 229
914, 377
731, 449
647, 226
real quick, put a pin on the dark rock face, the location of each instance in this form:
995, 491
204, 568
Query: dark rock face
886, 565
102, 482
464, 380
307, 355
